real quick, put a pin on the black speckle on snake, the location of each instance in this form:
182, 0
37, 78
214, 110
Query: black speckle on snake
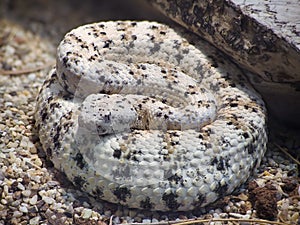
135, 115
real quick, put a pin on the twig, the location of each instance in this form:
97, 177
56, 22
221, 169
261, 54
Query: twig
200, 221
27, 70
259, 221
288, 154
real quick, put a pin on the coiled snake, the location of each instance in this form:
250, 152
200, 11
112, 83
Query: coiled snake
135, 115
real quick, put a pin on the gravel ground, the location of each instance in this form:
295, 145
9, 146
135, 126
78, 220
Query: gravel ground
33, 192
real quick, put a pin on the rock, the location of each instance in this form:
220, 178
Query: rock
261, 36
264, 200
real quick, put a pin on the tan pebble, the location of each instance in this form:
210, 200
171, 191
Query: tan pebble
31, 147
243, 197
10, 198
12, 144
9, 172
26, 92
42, 193
3, 213
24, 117
16, 195
95, 215
14, 109
295, 217
38, 162
2, 207
14, 134
3, 201
24, 142
23, 153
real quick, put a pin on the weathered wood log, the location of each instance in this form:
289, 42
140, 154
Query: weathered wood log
261, 36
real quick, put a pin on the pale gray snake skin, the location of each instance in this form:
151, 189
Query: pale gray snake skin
135, 115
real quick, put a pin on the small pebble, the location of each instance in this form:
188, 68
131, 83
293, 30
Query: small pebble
26, 193
32, 76
48, 200
86, 213
16, 203
146, 221
33, 200
34, 220
3, 201
23, 209
116, 220
107, 213
17, 214
154, 220
239, 216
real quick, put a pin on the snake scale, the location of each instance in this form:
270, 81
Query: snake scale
136, 115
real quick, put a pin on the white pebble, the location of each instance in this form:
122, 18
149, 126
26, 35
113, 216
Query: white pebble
86, 213
23, 209
154, 220
26, 193
31, 76
34, 220
48, 200
17, 214
146, 221
116, 220
36, 179
33, 200
239, 216
216, 215
2, 155
8, 50
24, 142
249, 212
3, 201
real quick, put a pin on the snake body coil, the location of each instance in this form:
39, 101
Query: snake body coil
135, 115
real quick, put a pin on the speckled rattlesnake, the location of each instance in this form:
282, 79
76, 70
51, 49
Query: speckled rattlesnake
135, 115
